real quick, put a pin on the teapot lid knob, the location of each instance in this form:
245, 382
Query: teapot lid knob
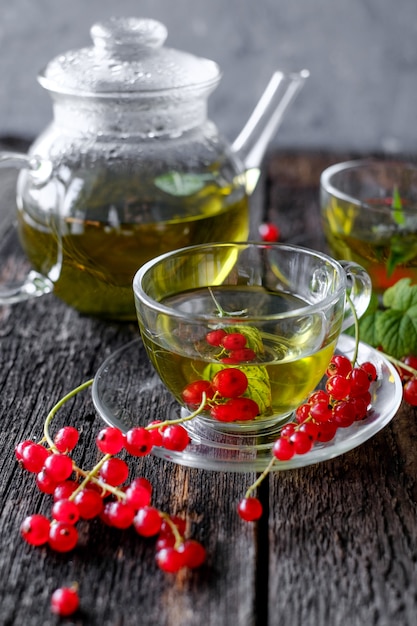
122, 32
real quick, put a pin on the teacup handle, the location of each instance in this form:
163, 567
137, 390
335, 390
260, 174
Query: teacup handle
33, 284
359, 289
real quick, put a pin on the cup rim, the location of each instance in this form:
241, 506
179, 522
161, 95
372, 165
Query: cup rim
336, 168
308, 309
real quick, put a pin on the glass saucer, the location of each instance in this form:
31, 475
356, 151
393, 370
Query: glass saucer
127, 392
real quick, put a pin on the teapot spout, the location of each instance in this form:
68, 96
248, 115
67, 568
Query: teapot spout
252, 142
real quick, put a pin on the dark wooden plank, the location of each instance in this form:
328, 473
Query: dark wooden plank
46, 349
343, 546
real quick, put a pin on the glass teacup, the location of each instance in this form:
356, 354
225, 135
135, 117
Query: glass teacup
369, 215
253, 325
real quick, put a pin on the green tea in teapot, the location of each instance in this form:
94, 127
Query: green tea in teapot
97, 248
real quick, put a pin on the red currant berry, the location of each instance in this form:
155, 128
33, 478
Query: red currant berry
110, 440
269, 232
63, 490
66, 511
35, 529
155, 433
339, 364
243, 355
321, 411
319, 396
45, 482
410, 392
338, 386
244, 409
193, 553
215, 337
344, 413
235, 410
66, 439
170, 560
311, 428
371, 370
222, 413
65, 601
230, 382
114, 471
18, 451
288, 429
301, 441
138, 441
326, 431
234, 341
62, 537
119, 514
142, 482
58, 466
192, 394
302, 412
147, 521
89, 503
411, 361
360, 407
137, 496
359, 381
249, 509
175, 438
179, 522
33, 457
165, 541
283, 449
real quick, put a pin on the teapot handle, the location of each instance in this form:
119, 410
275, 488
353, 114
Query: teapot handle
33, 284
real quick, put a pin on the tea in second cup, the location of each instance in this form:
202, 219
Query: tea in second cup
254, 326
369, 215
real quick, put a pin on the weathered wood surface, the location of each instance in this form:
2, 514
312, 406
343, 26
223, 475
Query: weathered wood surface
337, 546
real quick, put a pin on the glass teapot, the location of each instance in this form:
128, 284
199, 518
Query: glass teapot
130, 166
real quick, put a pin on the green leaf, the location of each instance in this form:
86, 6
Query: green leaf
400, 296
401, 251
183, 184
397, 331
397, 207
368, 329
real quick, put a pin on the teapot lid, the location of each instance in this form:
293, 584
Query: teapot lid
128, 57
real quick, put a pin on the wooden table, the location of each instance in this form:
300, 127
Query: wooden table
337, 544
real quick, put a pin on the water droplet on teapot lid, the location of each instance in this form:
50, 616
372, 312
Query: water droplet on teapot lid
144, 65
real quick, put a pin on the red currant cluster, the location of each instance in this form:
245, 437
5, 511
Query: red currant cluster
224, 392
105, 493
345, 399
408, 374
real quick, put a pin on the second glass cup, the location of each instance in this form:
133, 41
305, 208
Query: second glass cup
254, 326
369, 215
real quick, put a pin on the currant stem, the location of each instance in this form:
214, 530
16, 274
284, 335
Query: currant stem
222, 311
178, 537
90, 476
56, 408
399, 363
180, 420
356, 326
261, 477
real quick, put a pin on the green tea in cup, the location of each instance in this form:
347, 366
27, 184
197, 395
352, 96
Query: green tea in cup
369, 215
252, 325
